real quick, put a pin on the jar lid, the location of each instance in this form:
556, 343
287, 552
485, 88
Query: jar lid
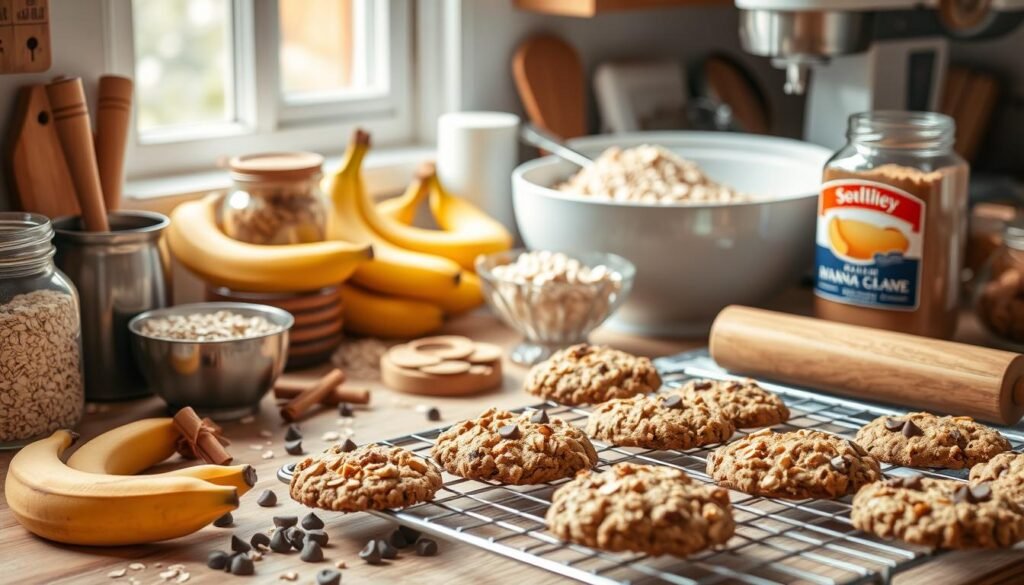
1013, 235
276, 166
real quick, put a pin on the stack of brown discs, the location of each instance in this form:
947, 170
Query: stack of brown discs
318, 320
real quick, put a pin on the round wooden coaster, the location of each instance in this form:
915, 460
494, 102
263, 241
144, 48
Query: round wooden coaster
327, 344
448, 347
405, 357
291, 302
415, 381
484, 353
315, 332
332, 312
447, 368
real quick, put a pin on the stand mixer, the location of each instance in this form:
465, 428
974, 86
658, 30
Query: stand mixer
866, 54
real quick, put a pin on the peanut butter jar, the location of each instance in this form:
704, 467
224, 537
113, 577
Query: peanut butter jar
892, 225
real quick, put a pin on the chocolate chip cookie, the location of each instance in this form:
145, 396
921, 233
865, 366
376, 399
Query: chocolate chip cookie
513, 448
641, 508
371, 477
665, 421
922, 439
942, 513
589, 374
1005, 472
746, 403
799, 464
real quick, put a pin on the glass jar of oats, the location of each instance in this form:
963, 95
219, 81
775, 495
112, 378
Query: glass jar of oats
41, 386
892, 225
276, 199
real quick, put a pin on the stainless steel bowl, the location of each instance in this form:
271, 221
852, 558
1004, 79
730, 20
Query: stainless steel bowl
220, 379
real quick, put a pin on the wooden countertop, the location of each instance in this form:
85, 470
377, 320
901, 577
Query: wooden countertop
27, 559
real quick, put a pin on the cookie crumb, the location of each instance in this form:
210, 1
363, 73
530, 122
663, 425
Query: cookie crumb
117, 573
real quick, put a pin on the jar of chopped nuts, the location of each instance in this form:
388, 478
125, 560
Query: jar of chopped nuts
41, 388
999, 293
276, 199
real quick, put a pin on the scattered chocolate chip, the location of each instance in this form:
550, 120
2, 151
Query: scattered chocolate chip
239, 545
509, 432
411, 534
249, 475
312, 521
297, 537
674, 402
433, 414
857, 448
893, 424
839, 464
312, 552
397, 539
285, 521
981, 492
345, 410
217, 560
348, 446
371, 553
224, 521
230, 559
293, 447
279, 542
328, 577
317, 536
258, 539
911, 430
540, 417
703, 385
911, 482
386, 550
426, 548
242, 565
268, 499
292, 434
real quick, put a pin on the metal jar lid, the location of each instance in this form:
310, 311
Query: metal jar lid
276, 166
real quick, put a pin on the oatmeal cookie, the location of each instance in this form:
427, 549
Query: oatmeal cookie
746, 403
371, 477
584, 373
641, 508
942, 513
665, 421
1005, 472
799, 464
922, 439
511, 448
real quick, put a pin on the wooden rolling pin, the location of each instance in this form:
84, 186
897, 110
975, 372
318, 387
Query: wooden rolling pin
71, 119
113, 114
883, 366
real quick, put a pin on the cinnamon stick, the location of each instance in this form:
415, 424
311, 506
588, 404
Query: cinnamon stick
313, 395
291, 389
201, 438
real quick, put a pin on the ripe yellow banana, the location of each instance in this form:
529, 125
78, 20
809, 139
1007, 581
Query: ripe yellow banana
465, 298
137, 446
376, 315
393, 270
403, 208
200, 245
66, 505
472, 233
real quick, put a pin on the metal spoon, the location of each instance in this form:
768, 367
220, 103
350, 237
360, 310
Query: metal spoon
534, 136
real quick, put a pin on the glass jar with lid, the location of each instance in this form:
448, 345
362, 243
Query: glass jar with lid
41, 388
999, 290
276, 199
892, 225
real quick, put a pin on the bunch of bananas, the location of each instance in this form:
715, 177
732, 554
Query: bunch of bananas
96, 498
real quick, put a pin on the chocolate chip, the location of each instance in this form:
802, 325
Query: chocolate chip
509, 432
239, 545
317, 536
328, 577
345, 410
703, 385
962, 495
957, 437
217, 560
224, 521
433, 414
242, 565
296, 537
312, 521
411, 534
540, 417
426, 548
285, 521
279, 543
386, 550
674, 402
249, 475
293, 447
981, 492
312, 552
268, 499
348, 446
839, 464
371, 553
893, 424
911, 430
292, 434
258, 539
397, 539
911, 482
857, 448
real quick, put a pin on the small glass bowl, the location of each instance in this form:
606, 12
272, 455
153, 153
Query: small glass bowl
553, 315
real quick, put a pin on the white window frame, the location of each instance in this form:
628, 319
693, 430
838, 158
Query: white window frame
264, 121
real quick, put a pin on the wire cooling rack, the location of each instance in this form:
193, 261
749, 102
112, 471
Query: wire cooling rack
776, 541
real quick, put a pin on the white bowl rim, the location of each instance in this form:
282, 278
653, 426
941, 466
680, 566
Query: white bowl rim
720, 139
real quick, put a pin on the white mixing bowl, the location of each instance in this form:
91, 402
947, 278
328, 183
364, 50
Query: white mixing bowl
691, 260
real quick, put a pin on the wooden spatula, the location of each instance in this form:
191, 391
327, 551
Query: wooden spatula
39, 172
550, 81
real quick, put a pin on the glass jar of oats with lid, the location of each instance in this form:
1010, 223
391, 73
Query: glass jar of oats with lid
892, 225
41, 388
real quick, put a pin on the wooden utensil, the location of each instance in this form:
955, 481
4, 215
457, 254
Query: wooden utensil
71, 118
974, 113
113, 115
550, 81
40, 176
864, 363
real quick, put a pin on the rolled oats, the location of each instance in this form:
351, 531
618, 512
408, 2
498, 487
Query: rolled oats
216, 326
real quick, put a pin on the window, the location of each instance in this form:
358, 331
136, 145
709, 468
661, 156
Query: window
225, 77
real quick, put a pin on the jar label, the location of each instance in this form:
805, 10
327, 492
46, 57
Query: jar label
870, 240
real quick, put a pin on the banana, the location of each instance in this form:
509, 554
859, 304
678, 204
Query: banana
137, 446
63, 504
200, 245
376, 315
403, 207
393, 270
465, 298
473, 234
